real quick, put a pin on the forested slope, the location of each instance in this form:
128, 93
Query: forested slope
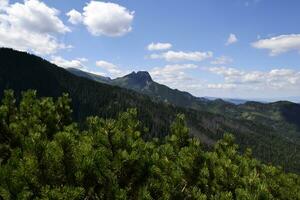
282, 116
44, 155
21, 71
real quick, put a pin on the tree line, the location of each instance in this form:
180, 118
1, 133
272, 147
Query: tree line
44, 154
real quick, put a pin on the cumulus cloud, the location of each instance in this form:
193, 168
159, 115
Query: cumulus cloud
234, 83
31, 26
175, 76
75, 63
27, 41
36, 16
172, 69
225, 71
223, 86
114, 70
105, 65
179, 56
3, 4
279, 44
159, 46
75, 17
222, 60
281, 78
105, 18
231, 39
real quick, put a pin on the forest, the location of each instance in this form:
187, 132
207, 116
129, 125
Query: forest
273, 141
45, 154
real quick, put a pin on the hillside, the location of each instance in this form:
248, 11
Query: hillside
44, 155
282, 116
142, 82
21, 71
90, 76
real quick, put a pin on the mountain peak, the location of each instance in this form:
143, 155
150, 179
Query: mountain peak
136, 80
141, 76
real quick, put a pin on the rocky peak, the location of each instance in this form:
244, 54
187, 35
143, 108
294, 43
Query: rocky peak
140, 76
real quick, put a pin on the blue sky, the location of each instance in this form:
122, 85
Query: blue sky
232, 48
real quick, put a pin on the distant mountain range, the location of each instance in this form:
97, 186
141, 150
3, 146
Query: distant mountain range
230, 100
276, 113
238, 101
272, 130
142, 82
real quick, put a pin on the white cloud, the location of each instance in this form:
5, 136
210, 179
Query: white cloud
178, 56
26, 41
279, 44
75, 17
32, 26
114, 70
175, 76
78, 63
223, 86
105, 18
75, 63
172, 69
225, 71
275, 79
159, 46
3, 4
105, 65
234, 82
222, 60
231, 39
35, 16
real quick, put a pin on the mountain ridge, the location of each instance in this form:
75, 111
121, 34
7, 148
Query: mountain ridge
22, 71
143, 83
118, 81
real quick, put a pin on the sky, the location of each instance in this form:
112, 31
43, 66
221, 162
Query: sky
248, 49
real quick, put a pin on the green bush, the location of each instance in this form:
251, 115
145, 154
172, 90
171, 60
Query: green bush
45, 155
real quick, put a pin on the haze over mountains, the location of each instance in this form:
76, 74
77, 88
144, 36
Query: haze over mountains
271, 130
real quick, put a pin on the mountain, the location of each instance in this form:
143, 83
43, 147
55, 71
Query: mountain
46, 155
238, 101
142, 82
139, 81
235, 101
22, 71
229, 100
278, 114
94, 77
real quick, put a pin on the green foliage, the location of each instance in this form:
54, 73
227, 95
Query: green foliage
270, 130
265, 127
44, 155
